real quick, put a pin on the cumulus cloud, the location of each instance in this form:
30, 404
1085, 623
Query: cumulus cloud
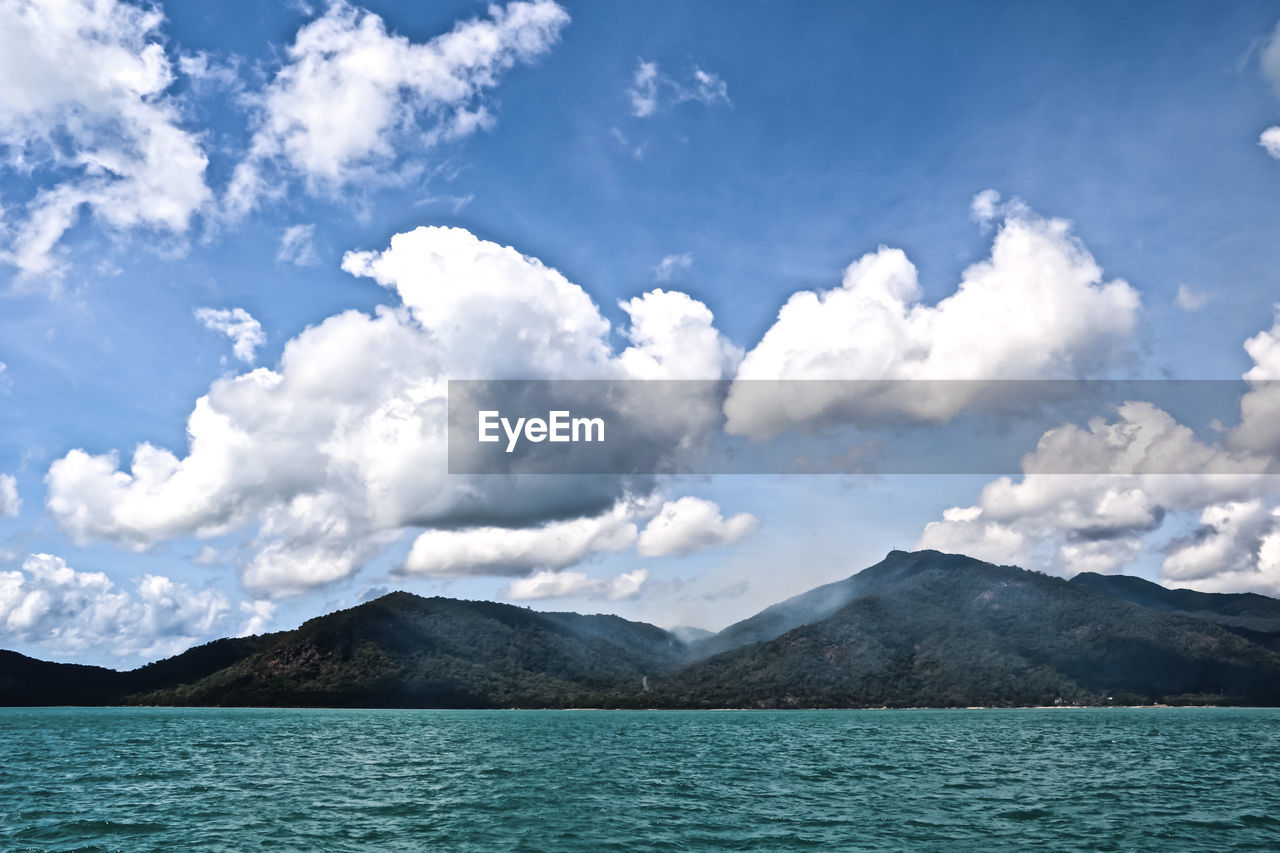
1158, 470
1270, 141
1037, 308
259, 615
350, 93
650, 88
1094, 522
297, 246
505, 551
671, 266
575, 585
343, 447
1259, 427
10, 500
691, 524
66, 611
96, 133
677, 528
237, 324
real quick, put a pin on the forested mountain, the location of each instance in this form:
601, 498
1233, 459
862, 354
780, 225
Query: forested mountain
943, 630
1256, 617
920, 628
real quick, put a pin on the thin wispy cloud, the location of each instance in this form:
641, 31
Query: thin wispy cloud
672, 267
650, 89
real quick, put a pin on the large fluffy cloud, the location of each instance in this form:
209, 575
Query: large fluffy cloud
1157, 469
83, 110
690, 524
333, 453
66, 611
349, 91
675, 528
1038, 307
499, 551
1093, 522
1259, 427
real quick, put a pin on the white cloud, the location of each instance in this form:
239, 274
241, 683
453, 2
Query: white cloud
511, 552
343, 446
691, 524
673, 336
64, 611
1259, 427
676, 528
1270, 141
208, 72
672, 266
1228, 541
297, 246
985, 206
102, 124
575, 585
1189, 299
350, 94
706, 88
10, 500
644, 89
237, 324
1037, 308
1158, 470
1093, 522
207, 556
259, 613
650, 87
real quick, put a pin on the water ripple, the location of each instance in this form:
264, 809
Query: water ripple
224, 780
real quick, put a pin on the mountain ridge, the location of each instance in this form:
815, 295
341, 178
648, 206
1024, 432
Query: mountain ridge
916, 629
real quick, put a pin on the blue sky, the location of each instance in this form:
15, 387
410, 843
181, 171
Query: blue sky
814, 135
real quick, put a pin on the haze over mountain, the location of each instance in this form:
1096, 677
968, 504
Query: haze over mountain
921, 628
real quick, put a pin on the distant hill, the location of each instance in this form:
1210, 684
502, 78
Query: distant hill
1256, 617
934, 629
778, 619
27, 681
917, 629
404, 650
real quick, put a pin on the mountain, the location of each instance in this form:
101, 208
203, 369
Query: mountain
1253, 616
935, 629
916, 629
778, 619
404, 650
27, 681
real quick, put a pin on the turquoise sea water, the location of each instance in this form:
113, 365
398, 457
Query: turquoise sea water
96, 779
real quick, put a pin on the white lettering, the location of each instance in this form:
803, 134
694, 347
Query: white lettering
560, 426
488, 422
559, 422
587, 425
513, 435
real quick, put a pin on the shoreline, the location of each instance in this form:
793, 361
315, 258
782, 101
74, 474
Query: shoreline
1152, 707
